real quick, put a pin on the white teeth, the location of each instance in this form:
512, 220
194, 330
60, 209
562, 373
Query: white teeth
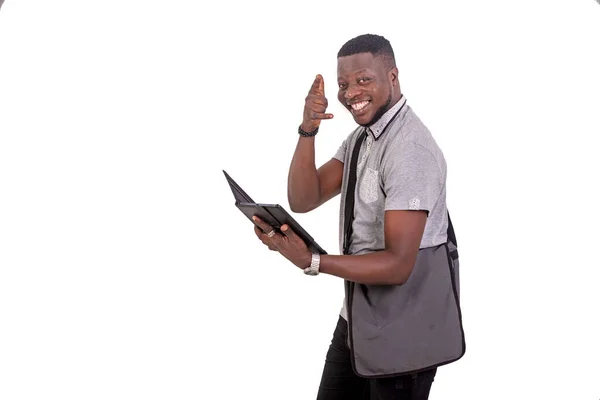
359, 106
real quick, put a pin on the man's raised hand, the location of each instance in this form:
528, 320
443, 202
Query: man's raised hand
315, 106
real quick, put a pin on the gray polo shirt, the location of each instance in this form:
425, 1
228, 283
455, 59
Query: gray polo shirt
399, 168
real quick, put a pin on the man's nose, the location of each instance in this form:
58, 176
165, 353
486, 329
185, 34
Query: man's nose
352, 92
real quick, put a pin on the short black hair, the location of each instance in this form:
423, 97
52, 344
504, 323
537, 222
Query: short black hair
369, 43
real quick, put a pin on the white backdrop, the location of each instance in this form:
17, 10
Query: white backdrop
126, 272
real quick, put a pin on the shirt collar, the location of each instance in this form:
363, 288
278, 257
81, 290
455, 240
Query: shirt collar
379, 127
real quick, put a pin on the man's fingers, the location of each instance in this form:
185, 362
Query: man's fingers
321, 85
262, 224
317, 99
264, 239
316, 108
318, 86
262, 230
289, 233
315, 115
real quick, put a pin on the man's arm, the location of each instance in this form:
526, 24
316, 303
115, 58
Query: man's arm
308, 187
392, 266
409, 173
411, 179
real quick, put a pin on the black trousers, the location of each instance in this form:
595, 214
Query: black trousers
339, 382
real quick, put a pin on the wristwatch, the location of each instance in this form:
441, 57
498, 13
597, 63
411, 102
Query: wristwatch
315, 262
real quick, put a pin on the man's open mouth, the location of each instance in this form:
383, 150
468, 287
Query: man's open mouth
358, 108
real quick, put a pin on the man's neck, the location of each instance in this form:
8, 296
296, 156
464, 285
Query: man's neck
378, 127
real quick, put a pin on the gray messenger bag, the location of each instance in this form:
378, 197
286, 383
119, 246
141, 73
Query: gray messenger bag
403, 329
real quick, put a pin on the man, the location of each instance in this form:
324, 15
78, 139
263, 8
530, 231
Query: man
400, 319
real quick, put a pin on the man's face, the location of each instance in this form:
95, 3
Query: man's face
365, 87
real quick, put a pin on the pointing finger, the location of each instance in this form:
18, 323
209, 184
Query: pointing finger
321, 86
318, 86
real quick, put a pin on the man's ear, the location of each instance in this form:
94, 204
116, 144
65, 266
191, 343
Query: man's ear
393, 76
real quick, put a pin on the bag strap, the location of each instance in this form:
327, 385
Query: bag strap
452, 238
451, 234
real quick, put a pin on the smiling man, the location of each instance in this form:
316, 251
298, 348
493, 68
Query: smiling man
400, 319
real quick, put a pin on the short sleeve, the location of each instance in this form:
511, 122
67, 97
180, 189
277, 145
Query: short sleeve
412, 179
341, 153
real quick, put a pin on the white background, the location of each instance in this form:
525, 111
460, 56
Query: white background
126, 272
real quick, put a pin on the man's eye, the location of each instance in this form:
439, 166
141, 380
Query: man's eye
363, 80
342, 85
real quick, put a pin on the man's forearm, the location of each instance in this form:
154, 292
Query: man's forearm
378, 268
303, 178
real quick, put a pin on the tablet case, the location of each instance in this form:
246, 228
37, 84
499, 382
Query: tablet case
273, 214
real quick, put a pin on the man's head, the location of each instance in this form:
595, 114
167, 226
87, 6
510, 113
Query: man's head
367, 78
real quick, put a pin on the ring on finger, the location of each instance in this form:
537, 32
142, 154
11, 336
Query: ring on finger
271, 234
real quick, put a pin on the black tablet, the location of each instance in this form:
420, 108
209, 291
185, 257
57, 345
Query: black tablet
276, 216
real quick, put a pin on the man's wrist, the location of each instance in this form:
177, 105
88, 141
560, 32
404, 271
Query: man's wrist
313, 267
307, 131
307, 260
